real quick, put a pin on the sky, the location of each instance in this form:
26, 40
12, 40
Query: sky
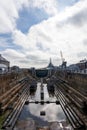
33, 31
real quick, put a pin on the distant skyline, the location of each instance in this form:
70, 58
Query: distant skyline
33, 31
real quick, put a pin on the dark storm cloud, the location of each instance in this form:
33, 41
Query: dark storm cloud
79, 19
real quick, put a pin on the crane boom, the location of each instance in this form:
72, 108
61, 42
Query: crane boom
62, 56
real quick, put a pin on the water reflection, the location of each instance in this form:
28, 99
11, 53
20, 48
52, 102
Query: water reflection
51, 90
53, 111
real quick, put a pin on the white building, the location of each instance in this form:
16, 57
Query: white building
4, 65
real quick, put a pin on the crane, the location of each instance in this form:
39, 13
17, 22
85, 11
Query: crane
62, 57
63, 60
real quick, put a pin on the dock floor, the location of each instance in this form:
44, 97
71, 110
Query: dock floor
29, 124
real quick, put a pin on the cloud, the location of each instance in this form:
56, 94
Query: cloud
47, 38
9, 13
79, 19
25, 59
65, 31
51, 7
3, 42
82, 54
85, 42
70, 12
13, 56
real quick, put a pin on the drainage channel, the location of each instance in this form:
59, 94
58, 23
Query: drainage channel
42, 110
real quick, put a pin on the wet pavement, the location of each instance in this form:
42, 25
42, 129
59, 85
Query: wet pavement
46, 116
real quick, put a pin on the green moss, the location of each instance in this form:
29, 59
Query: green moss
2, 118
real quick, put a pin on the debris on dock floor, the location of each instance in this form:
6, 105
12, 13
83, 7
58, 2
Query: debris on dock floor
29, 124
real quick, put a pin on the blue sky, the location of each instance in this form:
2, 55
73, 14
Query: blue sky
35, 30
64, 3
30, 17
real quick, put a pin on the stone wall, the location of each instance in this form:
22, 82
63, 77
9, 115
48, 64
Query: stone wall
8, 80
76, 80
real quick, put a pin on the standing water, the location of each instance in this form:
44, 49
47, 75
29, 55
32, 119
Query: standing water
45, 113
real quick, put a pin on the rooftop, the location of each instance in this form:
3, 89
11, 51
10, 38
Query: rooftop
2, 58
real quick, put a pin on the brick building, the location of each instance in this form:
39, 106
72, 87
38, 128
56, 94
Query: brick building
82, 65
